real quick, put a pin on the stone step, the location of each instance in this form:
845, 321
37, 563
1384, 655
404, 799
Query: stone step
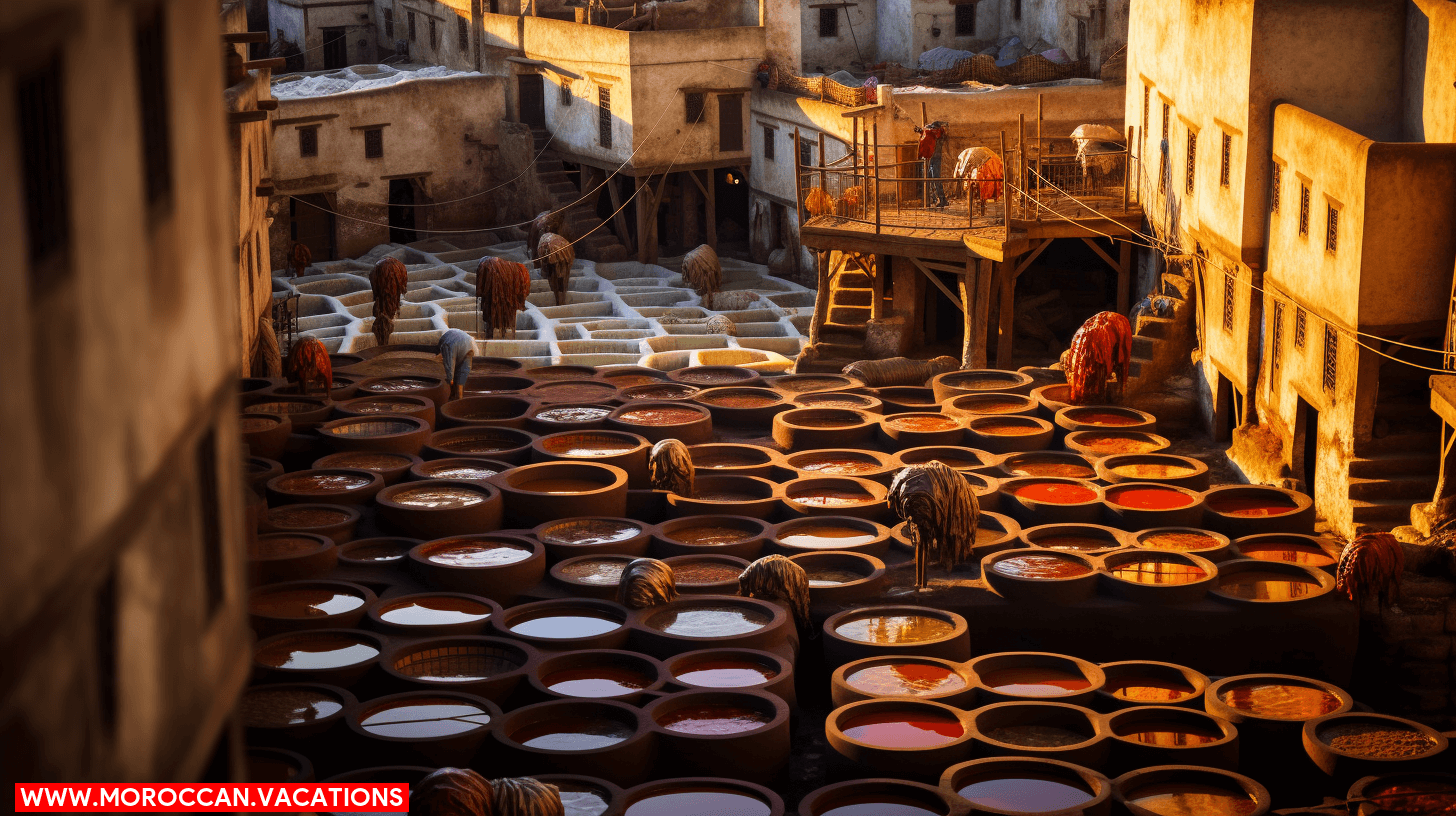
1382, 512
1393, 464
846, 351
1135, 368
563, 190
1427, 442
550, 164
1415, 487
853, 297
854, 280
824, 365
1144, 348
852, 315
1175, 285
1155, 327
838, 327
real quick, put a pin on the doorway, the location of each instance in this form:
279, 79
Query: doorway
402, 211
730, 188
532, 92
336, 48
1306, 444
945, 324
311, 223
1225, 410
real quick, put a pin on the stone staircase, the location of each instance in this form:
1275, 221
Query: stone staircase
1397, 467
842, 337
601, 244
1160, 345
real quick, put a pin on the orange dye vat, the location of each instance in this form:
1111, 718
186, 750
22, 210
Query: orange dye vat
904, 729
1056, 493
1149, 498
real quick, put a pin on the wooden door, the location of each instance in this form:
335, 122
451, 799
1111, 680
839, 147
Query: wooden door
312, 224
533, 99
730, 123
336, 48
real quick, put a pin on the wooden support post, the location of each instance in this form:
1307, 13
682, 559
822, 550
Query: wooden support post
1124, 276
619, 215
823, 180
1126, 167
854, 153
981, 312
1005, 193
876, 192
798, 180
969, 305
1006, 323
710, 208
1040, 150
690, 218
1021, 160
822, 296
877, 287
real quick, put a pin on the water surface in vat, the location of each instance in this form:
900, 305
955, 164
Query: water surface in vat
1088, 416
629, 380
582, 414
251, 424
895, 629
660, 416
825, 422
719, 459
726, 496
394, 385
282, 546
1037, 736
992, 405
1027, 792
439, 497
1082, 543
481, 443
825, 536
1142, 689
463, 472
922, 423
699, 573
588, 445
1146, 470
323, 483
275, 707
836, 465
381, 551
812, 384
713, 377
316, 652
384, 406
956, 462
725, 673
424, 718
561, 625
1056, 493
852, 403
706, 535
596, 681
596, 571
590, 531
364, 460
434, 610
699, 801
576, 392
1290, 552
573, 734
560, 486
545, 374
1192, 799
906, 679
1034, 681
742, 400
1040, 567
1275, 700
1267, 586
880, 804
482, 554
1180, 541
908, 728
713, 719
1149, 498
1170, 733
581, 800
1044, 467
980, 382
662, 392
830, 497
1006, 428
828, 576
1154, 571
1109, 444
307, 602
1258, 506
708, 621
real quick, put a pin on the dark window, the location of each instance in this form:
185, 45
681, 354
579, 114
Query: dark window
695, 107
829, 22
43, 152
374, 143
207, 496
730, 123
389, 23
1228, 302
1304, 209
104, 620
434, 35
462, 29
566, 96
768, 143
1332, 229
151, 64
965, 20
806, 152
1332, 355
410, 15
1299, 320
1224, 159
1277, 355
1274, 191
1016, 9
604, 116
308, 141
1192, 159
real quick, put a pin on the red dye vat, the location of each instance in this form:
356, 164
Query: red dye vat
1035, 681
1291, 552
1107, 418
1056, 493
907, 728
1149, 498
1255, 506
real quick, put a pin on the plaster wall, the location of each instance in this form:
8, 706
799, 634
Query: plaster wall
979, 118
854, 42
120, 361
249, 145
784, 32
303, 23
447, 49
1430, 51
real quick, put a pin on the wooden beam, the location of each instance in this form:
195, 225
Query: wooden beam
924, 270
985, 271
619, 215
275, 63
710, 208
968, 313
237, 37
243, 117
1004, 342
1032, 256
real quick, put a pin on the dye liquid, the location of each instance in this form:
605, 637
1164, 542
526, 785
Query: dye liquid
481, 443
832, 498
280, 546
1056, 493
1163, 573
596, 681
660, 416
1027, 792
1146, 470
1192, 799
463, 472
742, 400
562, 626
826, 537
725, 673
304, 603
1087, 416
322, 483
1079, 543
590, 532
828, 577
1063, 470
484, 554
836, 465
991, 405
580, 414
1179, 541
1170, 733
709, 621
1148, 690
577, 392
439, 498
904, 729
895, 629
1037, 736
1423, 796
596, 571
276, 707
1381, 739
316, 652
905, 679
1267, 586
561, 486
1290, 552
573, 734
700, 573
1006, 427
1149, 498
582, 445
713, 720
1108, 444
699, 802
427, 718
381, 551
1256, 506
1280, 701
1041, 567
710, 536
370, 461
581, 800
922, 423
1034, 681
880, 804
434, 610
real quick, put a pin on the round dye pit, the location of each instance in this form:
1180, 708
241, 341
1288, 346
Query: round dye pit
708, 621
1278, 700
725, 673
315, 651
477, 553
1260, 585
596, 681
1056, 493
659, 416
440, 497
1154, 470
921, 423
1288, 551
1411, 795
1006, 427
590, 532
424, 718
1034, 681
742, 400
1169, 733
377, 550
461, 469
1375, 738
825, 536
1103, 417
713, 720
1036, 736
573, 734
697, 573
889, 629
1040, 567
561, 486
1148, 690
459, 660
325, 482
1159, 572
603, 571
1179, 540
659, 391
904, 728
906, 678
584, 445
433, 610
1242, 505
880, 804
1062, 466
698, 801
1182, 798
563, 626
709, 535
314, 601
1025, 791
572, 415
287, 706
581, 798
1149, 497
837, 463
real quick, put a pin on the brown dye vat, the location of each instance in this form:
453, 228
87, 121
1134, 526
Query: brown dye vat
712, 377
594, 531
579, 799
878, 804
366, 428
987, 535
952, 461
1376, 740
827, 537
1192, 799
699, 801
707, 536
424, 718
434, 611
587, 445
1056, 493
1153, 471
573, 734
1279, 700
992, 405
322, 483
1153, 571
724, 496
906, 679
726, 673
371, 461
455, 665
708, 621
1149, 498
307, 602
1181, 542
1040, 567
572, 414
471, 554
1289, 552
250, 424
439, 498
713, 720
575, 392
974, 383
721, 459
824, 422
563, 626
280, 547
560, 486
663, 392
1037, 736
316, 652
1027, 792
1267, 586
1063, 470
383, 551
1150, 690
1075, 542
1169, 733
596, 681
284, 407
1420, 796
1034, 681
832, 498
304, 518
394, 385
887, 629
836, 465
1117, 444
741, 400
462, 472
660, 416
832, 577
904, 729
995, 428
276, 707
922, 423
384, 406
1102, 418
629, 380
483, 443
1251, 506
839, 402
802, 384
704, 572
596, 571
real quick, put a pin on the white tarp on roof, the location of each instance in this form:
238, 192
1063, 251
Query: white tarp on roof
938, 59
348, 80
